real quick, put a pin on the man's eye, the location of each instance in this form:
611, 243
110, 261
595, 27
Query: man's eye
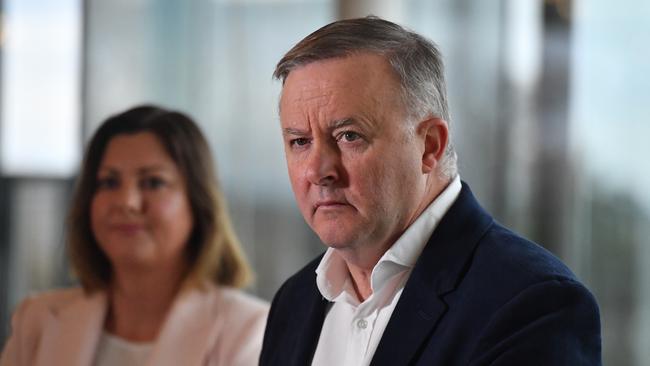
301, 141
152, 183
107, 183
349, 136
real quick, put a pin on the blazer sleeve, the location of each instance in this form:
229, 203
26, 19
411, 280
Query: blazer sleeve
556, 322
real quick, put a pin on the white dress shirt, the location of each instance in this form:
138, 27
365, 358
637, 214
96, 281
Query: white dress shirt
352, 330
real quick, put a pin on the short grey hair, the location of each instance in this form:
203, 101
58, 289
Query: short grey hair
417, 62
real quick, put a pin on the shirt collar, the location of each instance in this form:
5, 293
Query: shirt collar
408, 247
332, 272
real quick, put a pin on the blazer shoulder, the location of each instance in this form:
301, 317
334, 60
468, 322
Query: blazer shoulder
489, 255
505, 264
238, 304
505, 251
29, 319
37, 305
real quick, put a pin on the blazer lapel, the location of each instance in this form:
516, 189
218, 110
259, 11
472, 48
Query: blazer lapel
412, 321
436, 273
189, 329
310, 328
70, 334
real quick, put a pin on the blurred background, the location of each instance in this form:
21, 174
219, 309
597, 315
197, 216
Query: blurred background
550, 103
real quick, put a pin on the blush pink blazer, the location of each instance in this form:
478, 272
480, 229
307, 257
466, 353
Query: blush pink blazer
214, 326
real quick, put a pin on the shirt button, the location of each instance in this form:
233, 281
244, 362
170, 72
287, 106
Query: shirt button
362, 323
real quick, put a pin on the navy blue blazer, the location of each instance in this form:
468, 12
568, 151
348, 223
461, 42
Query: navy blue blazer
478, 295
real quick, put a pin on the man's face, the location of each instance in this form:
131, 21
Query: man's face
354, 161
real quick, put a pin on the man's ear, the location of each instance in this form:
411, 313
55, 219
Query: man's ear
434, 133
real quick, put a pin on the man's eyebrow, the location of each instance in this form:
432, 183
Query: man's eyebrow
294, 132
332, 125
341, 123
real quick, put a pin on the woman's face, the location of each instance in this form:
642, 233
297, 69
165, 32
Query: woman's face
140, 212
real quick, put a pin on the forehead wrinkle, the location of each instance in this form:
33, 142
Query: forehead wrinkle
317, 101
308, 100
307, 92
317, 97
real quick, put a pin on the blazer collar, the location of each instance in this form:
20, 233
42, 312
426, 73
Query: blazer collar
437, 272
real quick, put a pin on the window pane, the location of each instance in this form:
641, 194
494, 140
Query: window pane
39, 129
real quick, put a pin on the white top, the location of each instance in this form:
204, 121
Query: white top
113, 350
352, 330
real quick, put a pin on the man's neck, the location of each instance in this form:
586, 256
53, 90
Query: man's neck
362, 259
361, 282
360, 262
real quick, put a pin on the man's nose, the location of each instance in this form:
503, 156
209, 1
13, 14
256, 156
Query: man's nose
323, 164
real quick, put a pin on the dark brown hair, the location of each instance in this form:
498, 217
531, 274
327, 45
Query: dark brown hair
213, 250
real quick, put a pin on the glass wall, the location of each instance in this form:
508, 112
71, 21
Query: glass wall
40, 135
549, 109
609, 97
41, 49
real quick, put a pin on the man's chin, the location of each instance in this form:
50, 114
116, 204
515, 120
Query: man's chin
336, 240
339, 233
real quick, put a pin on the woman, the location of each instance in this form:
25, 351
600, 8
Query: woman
156, 256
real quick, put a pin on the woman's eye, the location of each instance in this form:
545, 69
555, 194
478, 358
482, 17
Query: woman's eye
152, 183
107, 183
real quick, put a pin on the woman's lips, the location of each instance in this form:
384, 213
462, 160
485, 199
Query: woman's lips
128, 229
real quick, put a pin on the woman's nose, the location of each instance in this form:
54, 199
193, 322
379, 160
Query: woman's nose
128, 198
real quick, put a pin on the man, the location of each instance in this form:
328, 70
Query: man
416, 273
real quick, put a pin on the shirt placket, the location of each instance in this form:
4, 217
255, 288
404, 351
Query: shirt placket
361, 328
